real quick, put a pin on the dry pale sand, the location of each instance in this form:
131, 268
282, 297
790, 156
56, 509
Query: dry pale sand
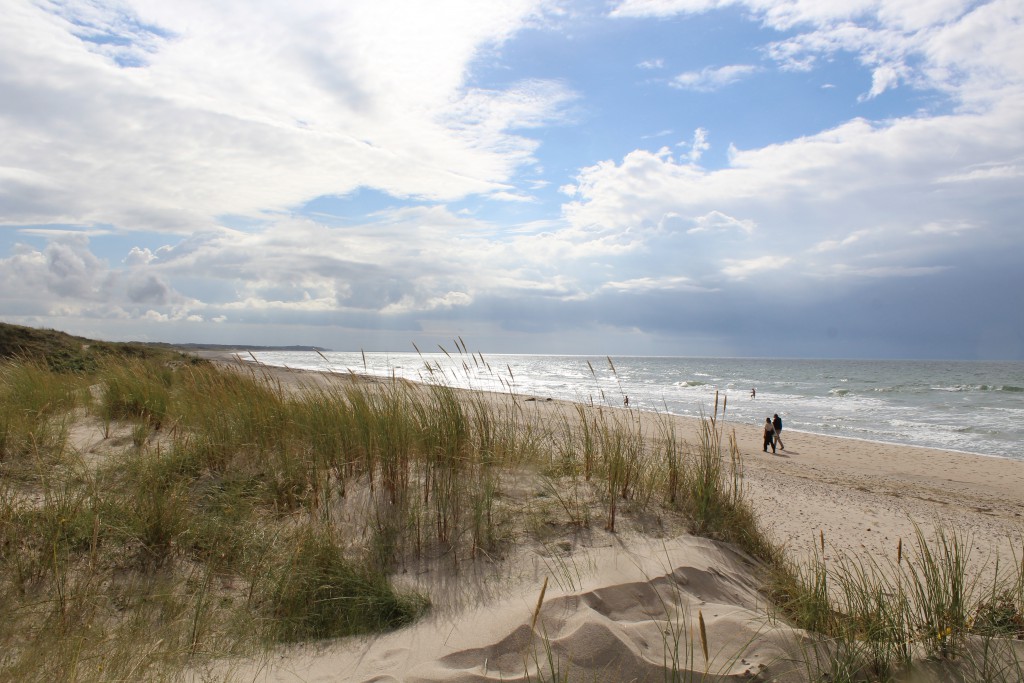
617, 606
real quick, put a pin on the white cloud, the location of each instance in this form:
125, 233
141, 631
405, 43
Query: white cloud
834, 244
699, 145
404, 261
665, 8
446, 301
885, 77
660, 134
969, 50
512, 197
986, 172
741, 269
712, 78
954, 228
67, 277
840, 271
139, 257
64, 233
363, 94
785, 14
648, 284
716, 221
871, 184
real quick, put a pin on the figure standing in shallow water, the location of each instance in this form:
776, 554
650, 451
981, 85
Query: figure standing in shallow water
769, 435
753, 392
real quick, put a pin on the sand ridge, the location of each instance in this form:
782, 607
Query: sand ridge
628, 619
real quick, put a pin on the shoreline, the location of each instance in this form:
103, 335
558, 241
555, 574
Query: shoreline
901, 445
239, 356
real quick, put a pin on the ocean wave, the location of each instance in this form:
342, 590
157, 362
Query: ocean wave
978, 430
963, 387
1009, 388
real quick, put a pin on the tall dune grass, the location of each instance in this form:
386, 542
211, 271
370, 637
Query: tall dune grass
922, 615
240, 515
36, 405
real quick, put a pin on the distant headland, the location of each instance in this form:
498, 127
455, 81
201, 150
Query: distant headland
236, 347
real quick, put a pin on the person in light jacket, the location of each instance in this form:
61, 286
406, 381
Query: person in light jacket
769, 435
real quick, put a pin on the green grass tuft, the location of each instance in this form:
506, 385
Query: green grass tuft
317, 593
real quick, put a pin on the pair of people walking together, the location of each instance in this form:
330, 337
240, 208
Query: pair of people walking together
773, 433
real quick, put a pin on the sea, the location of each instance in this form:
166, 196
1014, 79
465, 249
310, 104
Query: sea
968, 406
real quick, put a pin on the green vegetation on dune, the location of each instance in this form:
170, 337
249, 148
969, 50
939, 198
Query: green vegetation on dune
217, 514
63, 352
205, 533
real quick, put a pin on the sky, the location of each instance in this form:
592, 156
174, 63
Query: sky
755, 178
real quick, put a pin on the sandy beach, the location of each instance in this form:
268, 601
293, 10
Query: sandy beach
613, 601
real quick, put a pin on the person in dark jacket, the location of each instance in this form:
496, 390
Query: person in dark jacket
777, 424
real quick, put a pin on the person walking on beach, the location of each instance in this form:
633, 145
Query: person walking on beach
777, 424
769, 434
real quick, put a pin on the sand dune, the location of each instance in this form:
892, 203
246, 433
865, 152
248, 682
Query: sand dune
632, 616
619, 607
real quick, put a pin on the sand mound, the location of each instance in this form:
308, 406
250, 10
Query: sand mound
633, 617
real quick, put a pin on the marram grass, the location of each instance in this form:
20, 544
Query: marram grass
238, 515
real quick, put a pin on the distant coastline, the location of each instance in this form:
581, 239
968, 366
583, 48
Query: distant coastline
236, 347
